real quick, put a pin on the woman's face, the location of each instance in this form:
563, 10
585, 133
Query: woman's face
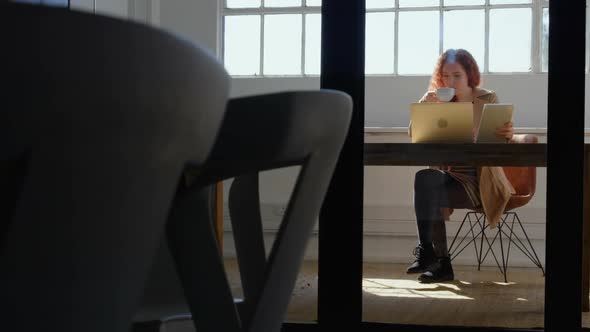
454, 76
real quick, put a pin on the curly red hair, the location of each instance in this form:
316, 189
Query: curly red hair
462, 57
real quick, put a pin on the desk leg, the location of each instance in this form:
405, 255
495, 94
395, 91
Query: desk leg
586, 236
217, 208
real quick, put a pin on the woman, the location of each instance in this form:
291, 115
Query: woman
438, 190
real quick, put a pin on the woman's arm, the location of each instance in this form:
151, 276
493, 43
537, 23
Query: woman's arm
494, 98
507, 131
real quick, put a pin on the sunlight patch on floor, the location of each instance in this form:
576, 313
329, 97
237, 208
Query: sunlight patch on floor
412, 288
504, 283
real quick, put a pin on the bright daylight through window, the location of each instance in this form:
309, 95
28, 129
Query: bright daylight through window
403, 37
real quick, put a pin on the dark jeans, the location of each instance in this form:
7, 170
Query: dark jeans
433, 190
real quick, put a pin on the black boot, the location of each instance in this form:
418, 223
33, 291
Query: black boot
440, 271
424, 257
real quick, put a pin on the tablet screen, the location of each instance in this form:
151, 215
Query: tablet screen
493, 116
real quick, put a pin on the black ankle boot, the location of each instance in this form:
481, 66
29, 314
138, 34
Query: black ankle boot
440, 271
424, 257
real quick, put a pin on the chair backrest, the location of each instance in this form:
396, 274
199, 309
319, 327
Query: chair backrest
99, 118
258, 133
523, 179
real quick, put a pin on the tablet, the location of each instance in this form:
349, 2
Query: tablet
493, 116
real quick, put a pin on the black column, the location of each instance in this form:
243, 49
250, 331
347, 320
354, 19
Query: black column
341, 218
565, 165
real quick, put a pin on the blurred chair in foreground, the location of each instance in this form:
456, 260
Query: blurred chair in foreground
99, 118
258, 133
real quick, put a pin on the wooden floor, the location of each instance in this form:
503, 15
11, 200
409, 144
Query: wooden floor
475, 298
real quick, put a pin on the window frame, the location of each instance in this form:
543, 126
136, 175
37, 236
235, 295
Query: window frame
536, 56
262, 12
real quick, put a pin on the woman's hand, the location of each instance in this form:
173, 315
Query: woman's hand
430, 97
507, 131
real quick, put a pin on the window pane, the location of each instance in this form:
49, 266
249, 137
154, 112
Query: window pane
314, 3
418, 42
379, 43
463, 2
545, 41
510, 40
380, 3
243, 3
313, 43
418, 3
472, 39
282, 3
241, 49
282, 44
507, 2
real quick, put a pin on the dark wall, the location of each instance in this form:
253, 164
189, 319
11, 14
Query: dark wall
57, 3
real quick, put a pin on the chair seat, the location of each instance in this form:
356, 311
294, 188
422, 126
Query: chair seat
517, 201
514, 202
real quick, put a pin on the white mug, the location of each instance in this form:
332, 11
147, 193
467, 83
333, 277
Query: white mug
445, 94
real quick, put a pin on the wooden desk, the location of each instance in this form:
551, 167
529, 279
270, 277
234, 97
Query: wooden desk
404, 154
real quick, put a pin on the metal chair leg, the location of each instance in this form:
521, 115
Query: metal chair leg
455, 251
531, 254
482, 226
505, 230
504, 259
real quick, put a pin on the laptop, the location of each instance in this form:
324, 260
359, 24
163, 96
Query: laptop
442, 122
493, 116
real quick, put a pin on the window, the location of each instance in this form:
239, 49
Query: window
510, 39
545, 40
403, 37
242, 44
272, 37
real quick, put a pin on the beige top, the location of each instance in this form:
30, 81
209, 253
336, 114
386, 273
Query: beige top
494, 188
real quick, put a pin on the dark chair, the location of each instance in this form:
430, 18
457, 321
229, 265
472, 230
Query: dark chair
259, 133
99, 118
524, 180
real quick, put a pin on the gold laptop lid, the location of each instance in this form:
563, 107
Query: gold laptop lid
442, 122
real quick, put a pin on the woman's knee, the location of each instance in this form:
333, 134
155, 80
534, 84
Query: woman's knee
428, 179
